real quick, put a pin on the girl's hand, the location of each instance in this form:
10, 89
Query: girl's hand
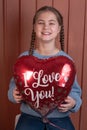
16, 94
69, 104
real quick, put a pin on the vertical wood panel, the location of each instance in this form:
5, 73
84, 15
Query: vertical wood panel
11, 34
1, 63
63, 6
1, 36
12, 29
11, 49
83, 118
1, 31
28, 9
41, 3
75, 41
76, 31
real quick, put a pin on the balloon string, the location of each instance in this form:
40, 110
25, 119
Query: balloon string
45, 120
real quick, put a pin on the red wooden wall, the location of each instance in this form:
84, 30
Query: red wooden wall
15, 34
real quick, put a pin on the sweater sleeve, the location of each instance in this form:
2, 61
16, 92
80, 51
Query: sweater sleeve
10, 91
76, 94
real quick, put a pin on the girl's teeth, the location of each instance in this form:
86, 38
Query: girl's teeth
46, 33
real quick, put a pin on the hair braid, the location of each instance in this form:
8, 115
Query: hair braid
62, 37
32, 43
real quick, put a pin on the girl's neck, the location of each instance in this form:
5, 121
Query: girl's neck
47, 48
47, 51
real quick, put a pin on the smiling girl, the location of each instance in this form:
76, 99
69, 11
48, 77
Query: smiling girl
47, 41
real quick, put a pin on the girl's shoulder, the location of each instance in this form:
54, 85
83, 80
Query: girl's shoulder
24, 53
62, 53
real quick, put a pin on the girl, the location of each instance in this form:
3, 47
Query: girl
47, 29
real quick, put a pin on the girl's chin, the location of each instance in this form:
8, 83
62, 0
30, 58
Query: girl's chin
46, 40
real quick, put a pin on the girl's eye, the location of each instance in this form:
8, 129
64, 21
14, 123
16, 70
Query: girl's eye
40, 23
51, 23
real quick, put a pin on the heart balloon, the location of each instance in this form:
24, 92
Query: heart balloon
44, 83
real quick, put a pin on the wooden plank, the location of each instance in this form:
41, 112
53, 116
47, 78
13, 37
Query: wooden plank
1, 31
1, 37
1, 65
41, 3
12, 31
76, 31
11, 49
27, 11
75, 42
63, 7
83, 119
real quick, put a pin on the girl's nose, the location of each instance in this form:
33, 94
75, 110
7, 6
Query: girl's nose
46, 25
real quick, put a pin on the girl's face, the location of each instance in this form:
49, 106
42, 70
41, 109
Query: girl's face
46, 27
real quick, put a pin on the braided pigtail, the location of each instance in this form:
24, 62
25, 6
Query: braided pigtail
62, 37
32, 43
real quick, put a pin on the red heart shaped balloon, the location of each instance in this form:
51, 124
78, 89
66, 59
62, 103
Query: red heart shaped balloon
44, 83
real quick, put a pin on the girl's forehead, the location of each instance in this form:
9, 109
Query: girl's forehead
46, 15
